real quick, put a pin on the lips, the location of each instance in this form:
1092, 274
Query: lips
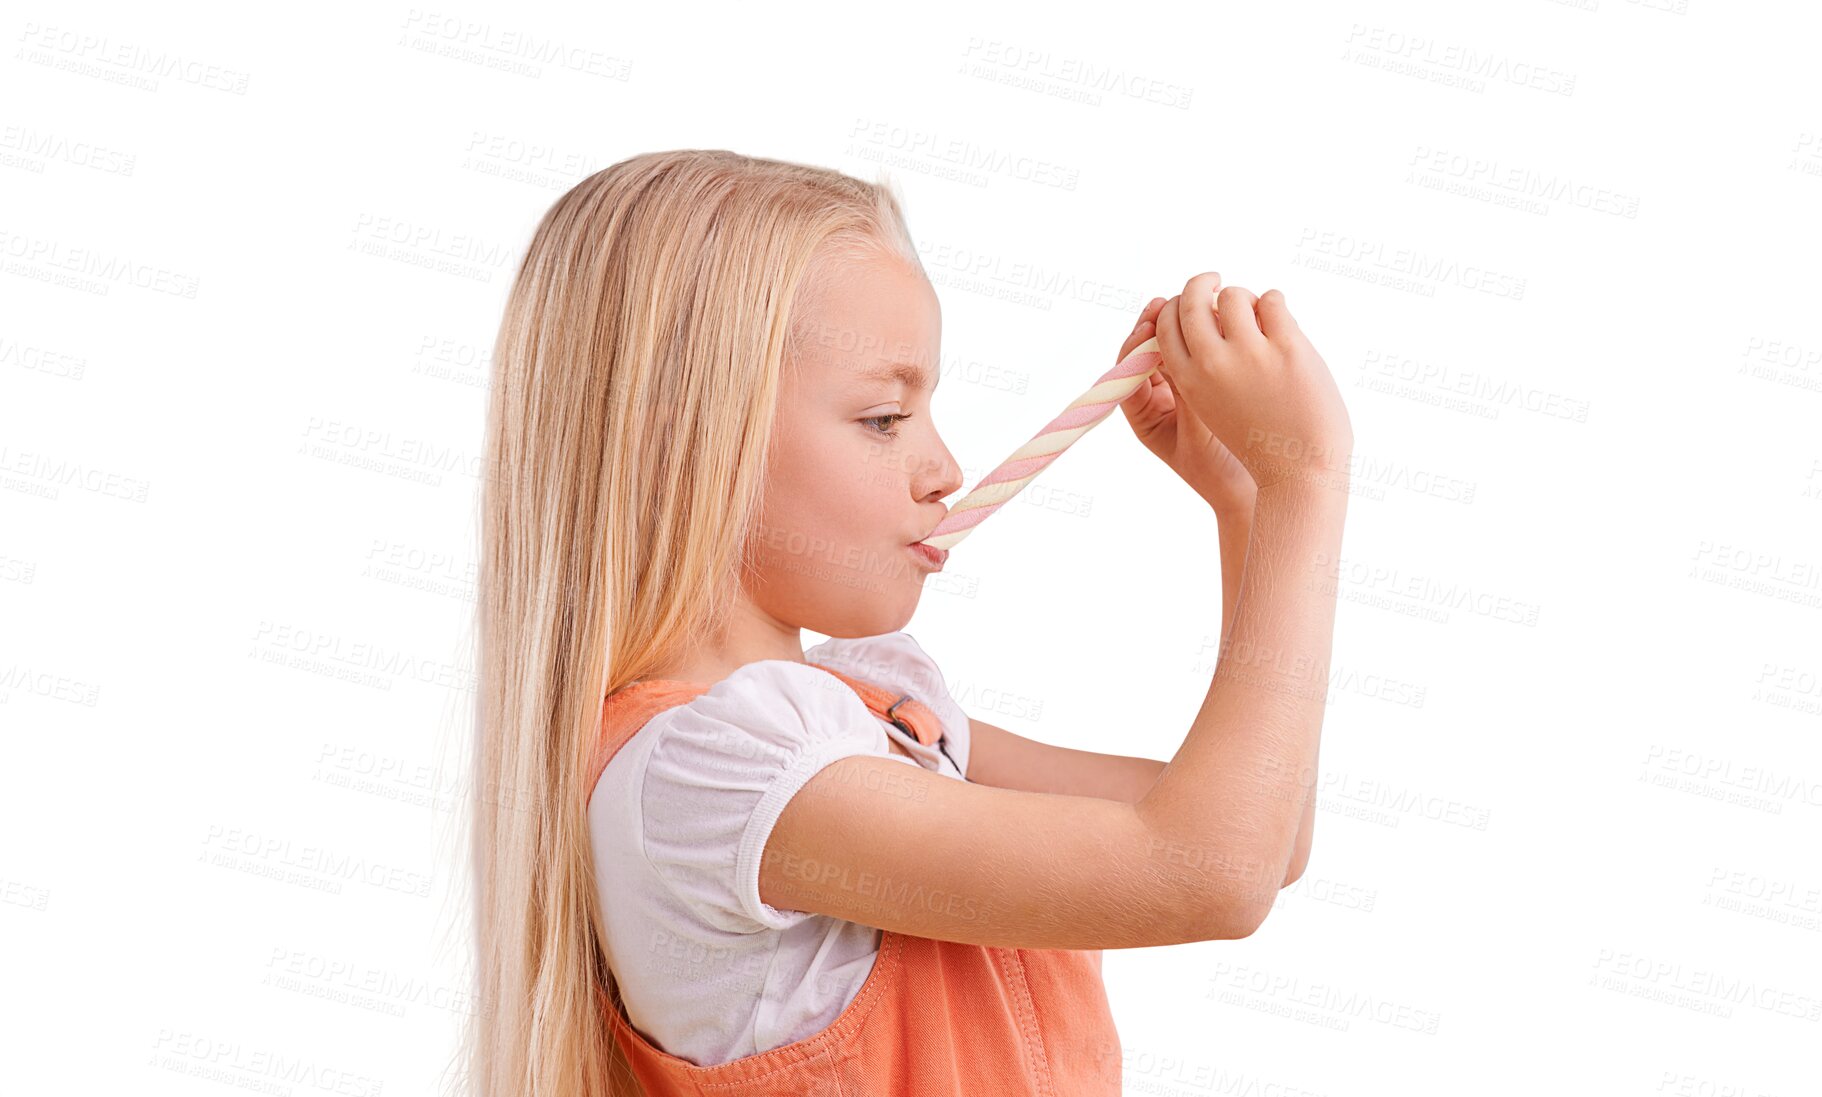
929, 555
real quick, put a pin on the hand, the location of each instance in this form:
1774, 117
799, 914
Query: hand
1242, 366
1180, 439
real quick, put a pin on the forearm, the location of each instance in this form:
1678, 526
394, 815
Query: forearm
1234, 523
1232, 799
1235, 520
1306, 832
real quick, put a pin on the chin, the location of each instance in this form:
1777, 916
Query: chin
870, 613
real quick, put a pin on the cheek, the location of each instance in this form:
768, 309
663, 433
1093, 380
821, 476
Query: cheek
869, 471
836, 487
865, 491
830, 535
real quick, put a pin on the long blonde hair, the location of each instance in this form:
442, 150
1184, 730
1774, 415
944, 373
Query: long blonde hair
635, 379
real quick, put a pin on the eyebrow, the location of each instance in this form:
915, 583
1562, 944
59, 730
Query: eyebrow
905, 373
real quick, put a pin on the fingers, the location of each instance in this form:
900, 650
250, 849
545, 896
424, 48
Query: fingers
1239, 322
1275, 320
1170, 339
1138, 336
1196, 313
1143, 329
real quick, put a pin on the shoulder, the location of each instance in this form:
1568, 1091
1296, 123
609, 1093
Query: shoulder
766, 711
767, 695
719, 769
890, 658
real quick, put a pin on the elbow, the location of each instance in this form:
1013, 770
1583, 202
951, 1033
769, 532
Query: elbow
1240, 918
1295, 870
1237, 924
1233, 921
1229, 893
1300, 852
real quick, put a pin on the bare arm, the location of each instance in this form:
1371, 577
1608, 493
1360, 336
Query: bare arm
1306, 836
1235, 523
1236, 519
1004, 759
875, 841
1239, 789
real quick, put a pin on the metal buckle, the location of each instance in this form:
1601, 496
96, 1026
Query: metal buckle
942, 739
896, 722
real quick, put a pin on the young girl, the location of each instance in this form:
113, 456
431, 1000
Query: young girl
711, 861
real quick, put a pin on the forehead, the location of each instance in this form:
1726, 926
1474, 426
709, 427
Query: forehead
876, 325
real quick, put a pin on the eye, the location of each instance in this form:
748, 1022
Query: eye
896, 419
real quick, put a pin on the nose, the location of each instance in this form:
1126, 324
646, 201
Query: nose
938, 477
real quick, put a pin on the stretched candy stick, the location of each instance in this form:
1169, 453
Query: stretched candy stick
1046, 446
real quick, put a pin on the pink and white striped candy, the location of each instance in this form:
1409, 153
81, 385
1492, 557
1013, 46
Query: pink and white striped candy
1034, 456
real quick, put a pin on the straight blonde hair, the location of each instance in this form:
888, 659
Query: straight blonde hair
635, 381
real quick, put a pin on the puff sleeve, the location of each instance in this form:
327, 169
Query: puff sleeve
897, 661
721, 770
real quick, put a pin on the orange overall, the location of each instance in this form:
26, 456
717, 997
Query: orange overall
933, 1018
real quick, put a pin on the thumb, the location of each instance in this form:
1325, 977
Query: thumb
1174, 350
1168, 330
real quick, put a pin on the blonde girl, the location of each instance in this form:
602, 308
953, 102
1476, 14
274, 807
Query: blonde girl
709, 861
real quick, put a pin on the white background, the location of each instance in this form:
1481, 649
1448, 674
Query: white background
1561, 257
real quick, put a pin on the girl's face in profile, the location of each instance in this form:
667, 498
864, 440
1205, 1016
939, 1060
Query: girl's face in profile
857, 472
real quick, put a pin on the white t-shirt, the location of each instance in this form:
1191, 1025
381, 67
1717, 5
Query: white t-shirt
708, 971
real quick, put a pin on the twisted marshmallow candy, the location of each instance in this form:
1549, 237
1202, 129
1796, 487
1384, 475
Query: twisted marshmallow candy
1058, 435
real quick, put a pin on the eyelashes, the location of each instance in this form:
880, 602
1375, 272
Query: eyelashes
896, 419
